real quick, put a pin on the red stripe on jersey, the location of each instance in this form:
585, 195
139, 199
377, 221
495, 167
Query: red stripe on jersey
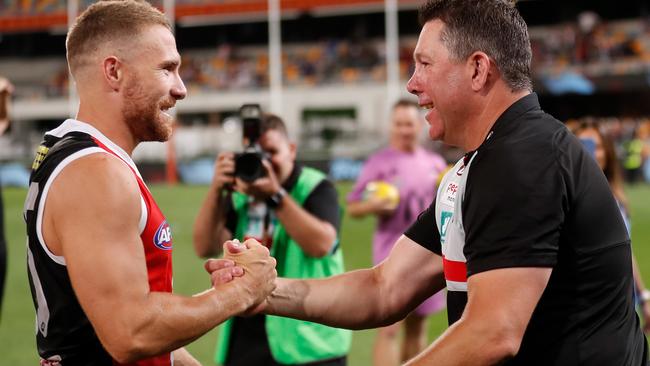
454, 270
158, 260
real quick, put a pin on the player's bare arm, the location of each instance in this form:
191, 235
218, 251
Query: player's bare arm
364, 298
106, 265
500, 305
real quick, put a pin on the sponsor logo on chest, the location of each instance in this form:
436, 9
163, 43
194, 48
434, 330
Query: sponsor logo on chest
163, 237
445, 219
449, 196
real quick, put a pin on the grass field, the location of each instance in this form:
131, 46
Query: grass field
180, 204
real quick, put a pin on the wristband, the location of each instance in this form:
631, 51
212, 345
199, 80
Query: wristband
275, 200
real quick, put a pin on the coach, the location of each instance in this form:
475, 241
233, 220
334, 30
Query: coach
524, 232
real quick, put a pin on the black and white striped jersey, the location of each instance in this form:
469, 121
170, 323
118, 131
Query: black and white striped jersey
63, 332
64, 335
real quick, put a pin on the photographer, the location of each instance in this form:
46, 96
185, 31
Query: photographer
294, 211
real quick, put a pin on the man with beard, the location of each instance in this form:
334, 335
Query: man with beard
99, 248
524, 231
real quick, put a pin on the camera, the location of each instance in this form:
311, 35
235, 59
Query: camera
248, 163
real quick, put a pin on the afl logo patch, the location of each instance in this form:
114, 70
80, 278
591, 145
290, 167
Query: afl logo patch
163, 237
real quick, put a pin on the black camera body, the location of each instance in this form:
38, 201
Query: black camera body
248, 163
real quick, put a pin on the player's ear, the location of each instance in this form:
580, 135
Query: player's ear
112, 72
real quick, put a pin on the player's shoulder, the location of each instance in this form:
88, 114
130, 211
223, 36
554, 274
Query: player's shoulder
100, 161
96, 185
100, 171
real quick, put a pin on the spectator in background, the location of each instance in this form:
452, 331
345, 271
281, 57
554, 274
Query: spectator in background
636, 152
6, 89
414, 172
294, 211
601, 147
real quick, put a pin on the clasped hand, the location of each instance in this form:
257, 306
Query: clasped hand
248, 266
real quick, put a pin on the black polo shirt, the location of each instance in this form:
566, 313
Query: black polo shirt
533, 197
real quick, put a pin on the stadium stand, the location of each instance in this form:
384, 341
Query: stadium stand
598, 65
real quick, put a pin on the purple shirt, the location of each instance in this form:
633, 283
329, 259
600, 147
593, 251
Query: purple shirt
415, 175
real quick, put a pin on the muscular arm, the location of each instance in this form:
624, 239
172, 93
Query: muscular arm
315, 236
91, 218
364, 298
500, 304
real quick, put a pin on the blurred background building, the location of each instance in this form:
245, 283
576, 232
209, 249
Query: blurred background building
331, 68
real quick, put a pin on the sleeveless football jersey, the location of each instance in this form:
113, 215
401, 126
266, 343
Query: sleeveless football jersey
64, 335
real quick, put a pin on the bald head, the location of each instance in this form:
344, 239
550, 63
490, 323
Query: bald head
109, 27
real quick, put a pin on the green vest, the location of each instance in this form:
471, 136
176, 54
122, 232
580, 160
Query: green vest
293, 341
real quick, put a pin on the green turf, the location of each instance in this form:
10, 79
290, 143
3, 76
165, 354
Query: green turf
180, 205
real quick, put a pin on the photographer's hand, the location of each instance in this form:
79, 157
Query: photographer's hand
269, 184
224, 171
262, 188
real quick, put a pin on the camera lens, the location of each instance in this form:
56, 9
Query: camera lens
248, 166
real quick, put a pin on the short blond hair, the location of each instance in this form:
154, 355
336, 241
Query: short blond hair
108, 21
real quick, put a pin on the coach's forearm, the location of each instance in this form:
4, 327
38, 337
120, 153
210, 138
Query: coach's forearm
351, 300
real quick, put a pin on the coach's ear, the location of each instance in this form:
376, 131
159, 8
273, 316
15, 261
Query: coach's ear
112, 68
479, 66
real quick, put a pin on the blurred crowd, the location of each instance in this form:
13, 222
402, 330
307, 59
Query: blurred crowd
589, 46
321, 63
631, 138
592, 46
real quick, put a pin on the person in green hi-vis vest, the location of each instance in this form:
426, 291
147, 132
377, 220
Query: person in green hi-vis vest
294, 211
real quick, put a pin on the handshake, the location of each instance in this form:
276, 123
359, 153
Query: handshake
248, 270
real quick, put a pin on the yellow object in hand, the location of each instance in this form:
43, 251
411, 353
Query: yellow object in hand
382, 190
